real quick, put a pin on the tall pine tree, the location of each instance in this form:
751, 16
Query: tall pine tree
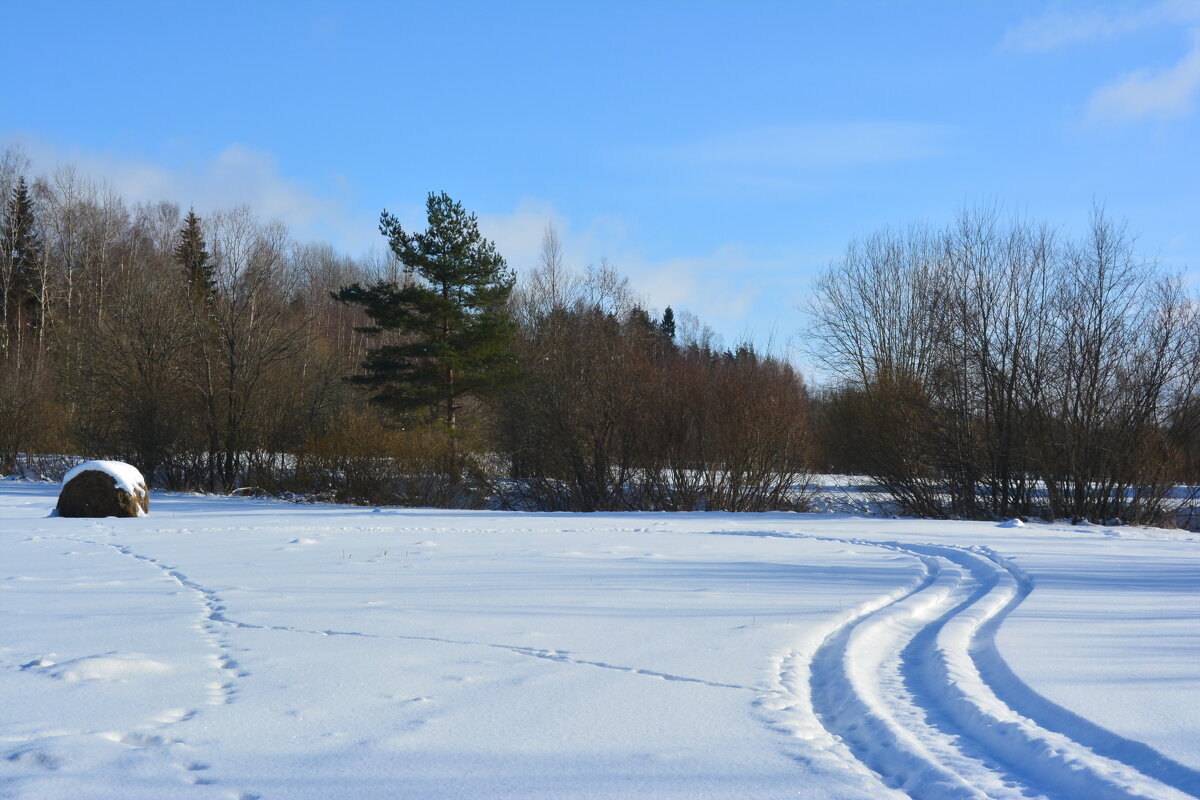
192, 255
451, 314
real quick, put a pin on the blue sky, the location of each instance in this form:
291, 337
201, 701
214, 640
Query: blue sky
719, 154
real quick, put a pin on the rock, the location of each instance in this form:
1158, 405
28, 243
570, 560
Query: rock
104, 489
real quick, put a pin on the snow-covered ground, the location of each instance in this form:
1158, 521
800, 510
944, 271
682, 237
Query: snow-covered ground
234, 648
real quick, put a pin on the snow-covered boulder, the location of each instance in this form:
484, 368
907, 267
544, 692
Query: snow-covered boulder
104, 489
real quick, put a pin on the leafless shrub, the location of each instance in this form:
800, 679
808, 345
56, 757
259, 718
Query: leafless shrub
612, 413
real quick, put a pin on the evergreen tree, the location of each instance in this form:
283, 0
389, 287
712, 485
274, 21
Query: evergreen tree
451, 312
640, 323
192, 255
667, 326
22, 252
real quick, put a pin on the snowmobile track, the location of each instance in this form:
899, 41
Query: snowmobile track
911, 685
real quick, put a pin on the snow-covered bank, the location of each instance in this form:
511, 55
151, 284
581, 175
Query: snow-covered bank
252, 648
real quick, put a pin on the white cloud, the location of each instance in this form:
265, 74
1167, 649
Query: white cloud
720, 287
1060, 28
728, 288
679, 282
237, 175
1170, 92
814, 145
1140, 93
518, 235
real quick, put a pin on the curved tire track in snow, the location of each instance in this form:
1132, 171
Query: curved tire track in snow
1016, 694
1030, 737
859, 694
912, 682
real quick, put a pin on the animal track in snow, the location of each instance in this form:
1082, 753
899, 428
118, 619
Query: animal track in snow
155, 735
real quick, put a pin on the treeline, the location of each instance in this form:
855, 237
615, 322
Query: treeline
217, 354
113, 345
996, 369
987, 370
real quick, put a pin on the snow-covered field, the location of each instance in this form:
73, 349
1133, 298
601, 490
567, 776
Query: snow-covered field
233, 648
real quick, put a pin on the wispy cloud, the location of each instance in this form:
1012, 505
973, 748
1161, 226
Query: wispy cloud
721, 287
814, 145
1163, 94
237, 175
1140, 93
518, 234
1059, 27
726, 287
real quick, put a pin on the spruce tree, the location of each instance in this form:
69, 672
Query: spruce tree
192, 255
451, 312
22, 249
667, 326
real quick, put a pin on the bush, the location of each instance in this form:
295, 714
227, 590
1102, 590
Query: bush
362, 459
